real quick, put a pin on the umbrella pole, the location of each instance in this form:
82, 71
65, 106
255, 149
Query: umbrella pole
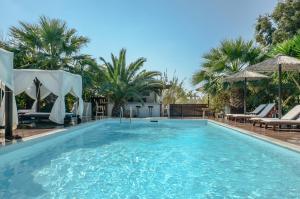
208, 100
38, 94
8, 113
279, 91
245, 94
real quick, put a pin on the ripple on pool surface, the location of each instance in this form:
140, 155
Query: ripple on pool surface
169, 159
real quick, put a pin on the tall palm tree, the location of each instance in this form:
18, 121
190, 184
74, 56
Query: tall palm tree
121, 82
49, 44
229, 57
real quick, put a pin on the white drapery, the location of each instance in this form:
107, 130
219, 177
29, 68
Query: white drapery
31, 92
6, 79
57, 82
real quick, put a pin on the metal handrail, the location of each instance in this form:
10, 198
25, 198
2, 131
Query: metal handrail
121, 114
130, 113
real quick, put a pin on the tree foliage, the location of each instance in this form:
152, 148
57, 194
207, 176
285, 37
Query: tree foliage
229, 57
120, 81
290, 47
291, 86
174, 92
283, 23
51, 45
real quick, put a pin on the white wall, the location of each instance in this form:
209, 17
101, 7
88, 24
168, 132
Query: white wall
143, 111
87, 109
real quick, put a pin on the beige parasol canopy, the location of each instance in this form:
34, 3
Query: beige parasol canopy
278, 64
240, 76
244, 76
270, 65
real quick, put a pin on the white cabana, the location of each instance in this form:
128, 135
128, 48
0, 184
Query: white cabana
6, 79
57, 82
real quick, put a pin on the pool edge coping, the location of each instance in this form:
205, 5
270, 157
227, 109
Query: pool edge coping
48, 133
44, 134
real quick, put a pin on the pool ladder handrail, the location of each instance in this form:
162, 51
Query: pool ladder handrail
121, 114
130, 113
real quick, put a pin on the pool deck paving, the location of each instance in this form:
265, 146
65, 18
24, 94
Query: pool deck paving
290, 137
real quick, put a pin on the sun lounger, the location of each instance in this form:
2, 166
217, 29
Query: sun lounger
23, 111
290, 118
256, 111
292, 114
264, 113
41, 116
279, 123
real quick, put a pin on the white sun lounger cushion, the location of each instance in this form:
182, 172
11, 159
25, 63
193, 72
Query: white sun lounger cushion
262, 114
291, 115
258, 109
251, 114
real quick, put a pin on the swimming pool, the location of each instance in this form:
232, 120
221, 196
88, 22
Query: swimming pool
167, 159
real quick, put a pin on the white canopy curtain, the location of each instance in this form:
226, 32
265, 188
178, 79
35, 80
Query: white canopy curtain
31, 92
6, 79
57, 82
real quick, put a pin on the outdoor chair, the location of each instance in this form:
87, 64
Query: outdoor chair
256, 111
289, 119
267, 110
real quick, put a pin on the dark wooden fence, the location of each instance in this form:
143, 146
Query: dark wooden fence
187, 110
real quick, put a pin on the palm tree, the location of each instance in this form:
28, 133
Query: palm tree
50, 44
289, 47
229, 57
121, 82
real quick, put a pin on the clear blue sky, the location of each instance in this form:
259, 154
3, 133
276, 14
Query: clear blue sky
171, 34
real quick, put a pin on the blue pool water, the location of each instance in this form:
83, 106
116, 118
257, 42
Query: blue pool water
170, 159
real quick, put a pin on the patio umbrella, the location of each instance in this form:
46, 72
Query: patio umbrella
279, 63
244, 76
